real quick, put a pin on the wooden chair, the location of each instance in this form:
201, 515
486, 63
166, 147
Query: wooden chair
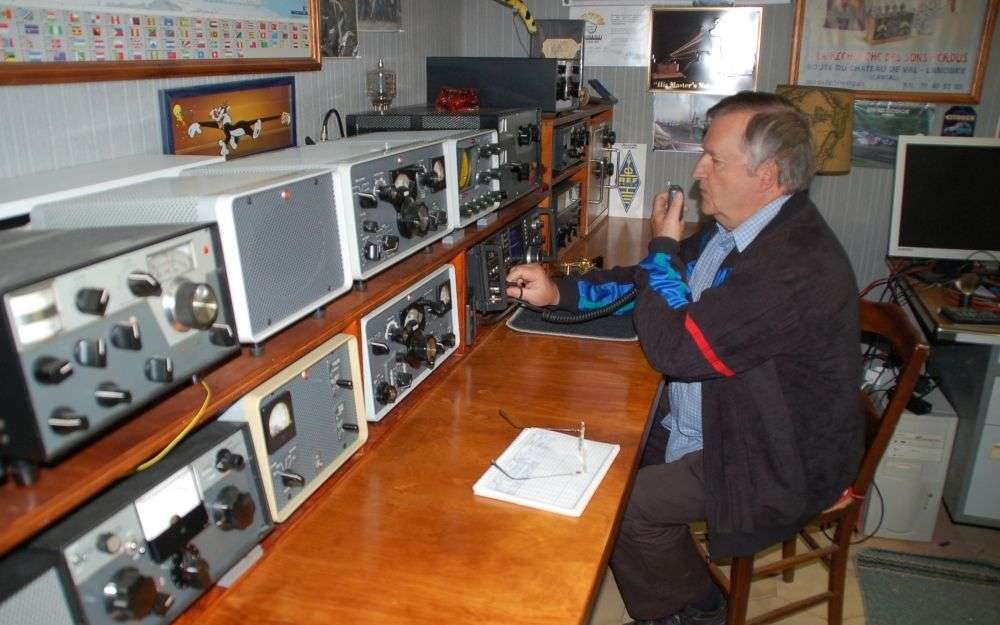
888, 322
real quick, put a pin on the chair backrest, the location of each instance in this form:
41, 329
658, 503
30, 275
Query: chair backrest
888, 321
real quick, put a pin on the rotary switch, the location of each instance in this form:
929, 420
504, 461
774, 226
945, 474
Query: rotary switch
91, 352
191, 305
126, 336
130, 595
92, 301
160, 369
226, 460
52, 370
385, 393
142, 284
66, 421
109, 394
190, 569
233, 509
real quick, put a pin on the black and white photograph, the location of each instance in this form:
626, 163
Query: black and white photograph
680, 121
338, 28
380, 15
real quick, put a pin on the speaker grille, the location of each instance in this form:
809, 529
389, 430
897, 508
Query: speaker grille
289, 250
450, 122
382, 122
41, 602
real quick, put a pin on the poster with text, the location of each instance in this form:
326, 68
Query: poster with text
627, 196
615, 36
877, 126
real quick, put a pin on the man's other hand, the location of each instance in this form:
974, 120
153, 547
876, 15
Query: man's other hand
667, 219
533, 285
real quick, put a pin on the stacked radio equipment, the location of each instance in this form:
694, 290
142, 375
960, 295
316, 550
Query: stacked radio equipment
518, 137
305, 422
392, 201
406, 337
146, 549
552, 85
569, 145
566, 198
98, 322
279, 236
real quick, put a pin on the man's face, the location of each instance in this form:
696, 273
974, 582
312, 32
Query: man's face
728, 191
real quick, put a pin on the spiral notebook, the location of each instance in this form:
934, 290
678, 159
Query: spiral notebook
556, 478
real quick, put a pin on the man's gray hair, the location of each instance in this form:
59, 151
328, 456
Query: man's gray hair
778, 132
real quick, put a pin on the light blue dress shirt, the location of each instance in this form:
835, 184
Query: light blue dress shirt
684, 418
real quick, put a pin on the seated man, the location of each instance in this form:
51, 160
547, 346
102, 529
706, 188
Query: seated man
754, 324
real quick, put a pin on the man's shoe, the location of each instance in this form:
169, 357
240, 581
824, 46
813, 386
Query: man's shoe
693, 616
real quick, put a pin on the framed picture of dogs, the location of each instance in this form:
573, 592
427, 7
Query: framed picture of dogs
229, 119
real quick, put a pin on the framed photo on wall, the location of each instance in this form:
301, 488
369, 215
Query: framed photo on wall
927, 51
229, 119
380, 15
338, 24
707, 50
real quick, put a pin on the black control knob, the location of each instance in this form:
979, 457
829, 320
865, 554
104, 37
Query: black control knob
349, 427
369, 226
126, 336
413, 217
160, 370
609, 168
192, 305
390, 242
345, 383
373, 251
109, 394
519, 169
379, 349
402, 379
92, 301
143, 284
51, 370
91, 352
367, 200
385, 393
393, 194
222, 335
433, 181
226, 460
288, 478
448, 340
129, 595
64, 420
524, 135
484, 177
439, 219
233, 509
609, 137
420, 349
190, 569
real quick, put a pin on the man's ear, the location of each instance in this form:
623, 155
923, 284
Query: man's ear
768, 175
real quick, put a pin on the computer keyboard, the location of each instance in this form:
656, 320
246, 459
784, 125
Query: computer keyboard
971, 316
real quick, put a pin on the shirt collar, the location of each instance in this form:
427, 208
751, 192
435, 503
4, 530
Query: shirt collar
746, 232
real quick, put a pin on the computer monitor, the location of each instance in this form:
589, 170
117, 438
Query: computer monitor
946, 202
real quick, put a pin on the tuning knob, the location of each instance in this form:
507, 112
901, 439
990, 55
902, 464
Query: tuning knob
91, 352
385, 393
142, 284
373, 251
448, 340
420, 349
191, 305
109, 394
92, 301
226, 460
130, 595
191, 570
233, 509
66, 420
126, 336
51, 370
413, 217
392, 194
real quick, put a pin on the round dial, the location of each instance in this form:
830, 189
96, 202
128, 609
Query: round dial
412, 317
279, 419
465, 168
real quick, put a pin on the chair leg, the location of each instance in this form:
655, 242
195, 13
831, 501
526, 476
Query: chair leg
838, 569
788, 551
740, 575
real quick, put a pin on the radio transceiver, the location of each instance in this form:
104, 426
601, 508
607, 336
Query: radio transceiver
391, 201
566, 198
280, 240
98, 322
569, 145
405, 337
518, 137
305, 422
146, 549
472, 165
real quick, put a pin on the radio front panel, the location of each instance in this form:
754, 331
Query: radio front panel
305, 422
87, 345
405, 338
569, 145
145, 550
279, 237
398, 206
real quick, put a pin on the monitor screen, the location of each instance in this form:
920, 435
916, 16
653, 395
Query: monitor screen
946, 203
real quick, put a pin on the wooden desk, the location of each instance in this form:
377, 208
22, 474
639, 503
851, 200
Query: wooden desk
401, 538
926, 301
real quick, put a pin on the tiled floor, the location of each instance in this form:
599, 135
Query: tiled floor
950, 540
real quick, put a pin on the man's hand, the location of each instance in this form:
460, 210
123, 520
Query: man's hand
534, 285
667, 219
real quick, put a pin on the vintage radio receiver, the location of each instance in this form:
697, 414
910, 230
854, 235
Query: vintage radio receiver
527, 240
472, 164
146, 549
280, 240
98, 322
305, 422
405, 337
32, 590
518, 132
552, 85
569, 145
566, 198
392, 200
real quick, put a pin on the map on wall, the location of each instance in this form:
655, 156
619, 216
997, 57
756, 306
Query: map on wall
140, 30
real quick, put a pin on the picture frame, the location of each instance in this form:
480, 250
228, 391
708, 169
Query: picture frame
338, 28
704, 49
232, 119
44, 41
934, 52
